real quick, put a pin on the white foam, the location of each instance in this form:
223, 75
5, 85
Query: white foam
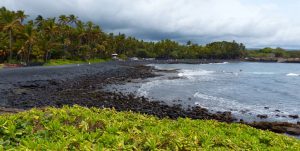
198, 104
263, 73
161, 67
155, 66
144, 89
223, 104
292, 74
216, 102
220, 63
188, 73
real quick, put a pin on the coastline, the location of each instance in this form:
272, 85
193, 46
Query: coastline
68, 85
278, 60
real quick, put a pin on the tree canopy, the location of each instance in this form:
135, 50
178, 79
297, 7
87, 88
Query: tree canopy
67, 37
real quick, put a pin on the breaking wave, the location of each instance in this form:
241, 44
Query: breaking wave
239, 109
189, 73
292, 75
263, 73
220, 63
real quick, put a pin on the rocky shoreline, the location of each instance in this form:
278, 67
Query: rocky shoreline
274, 59
84, 86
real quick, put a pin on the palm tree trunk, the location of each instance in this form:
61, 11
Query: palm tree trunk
10, 45
46, 56
47, 51
29, 52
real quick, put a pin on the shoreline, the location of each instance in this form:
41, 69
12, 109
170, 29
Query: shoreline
145, 61
84, 88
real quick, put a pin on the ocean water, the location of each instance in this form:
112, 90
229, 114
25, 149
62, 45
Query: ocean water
245, 89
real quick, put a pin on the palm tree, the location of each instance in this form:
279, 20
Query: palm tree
80, 31
72, 19
2, 13
21, 15
11, 22
39, 21
89, 30
30, 38
49, 28
77, 37
63, 20
64, 31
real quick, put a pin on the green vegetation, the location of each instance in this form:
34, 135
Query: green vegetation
273, 53
57, 62
68, 38
96, 129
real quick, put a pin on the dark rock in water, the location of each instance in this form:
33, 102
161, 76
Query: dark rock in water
294, 116
167, 71
267, 108
173, 78
277, 110
244, 111
175, 101
278, 127
262, 116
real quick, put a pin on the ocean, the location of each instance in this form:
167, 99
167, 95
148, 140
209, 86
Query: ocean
245, 89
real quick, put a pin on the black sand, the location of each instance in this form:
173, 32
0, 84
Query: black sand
25, 88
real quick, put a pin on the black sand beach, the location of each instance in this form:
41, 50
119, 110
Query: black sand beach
37, 87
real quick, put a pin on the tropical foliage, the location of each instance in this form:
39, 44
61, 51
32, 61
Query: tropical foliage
58, 62
67, 37
79, 128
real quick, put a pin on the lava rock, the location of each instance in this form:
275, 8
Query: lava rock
262, 116
294, 116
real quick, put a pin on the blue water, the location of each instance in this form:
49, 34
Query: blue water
245, 89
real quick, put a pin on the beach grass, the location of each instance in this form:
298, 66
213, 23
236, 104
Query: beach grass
80, 128
1, 66
58, 62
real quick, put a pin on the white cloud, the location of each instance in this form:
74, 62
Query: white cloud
255, 23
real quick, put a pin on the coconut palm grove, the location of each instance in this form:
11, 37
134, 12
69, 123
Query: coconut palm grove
67, 37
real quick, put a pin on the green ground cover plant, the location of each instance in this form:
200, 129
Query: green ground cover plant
80, 128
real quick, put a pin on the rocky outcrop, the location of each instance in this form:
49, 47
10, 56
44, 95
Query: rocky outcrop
262, 116
294, 116
278, 127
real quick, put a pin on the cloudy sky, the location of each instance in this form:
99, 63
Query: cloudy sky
257, 23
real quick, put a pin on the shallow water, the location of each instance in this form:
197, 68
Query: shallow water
245, 89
